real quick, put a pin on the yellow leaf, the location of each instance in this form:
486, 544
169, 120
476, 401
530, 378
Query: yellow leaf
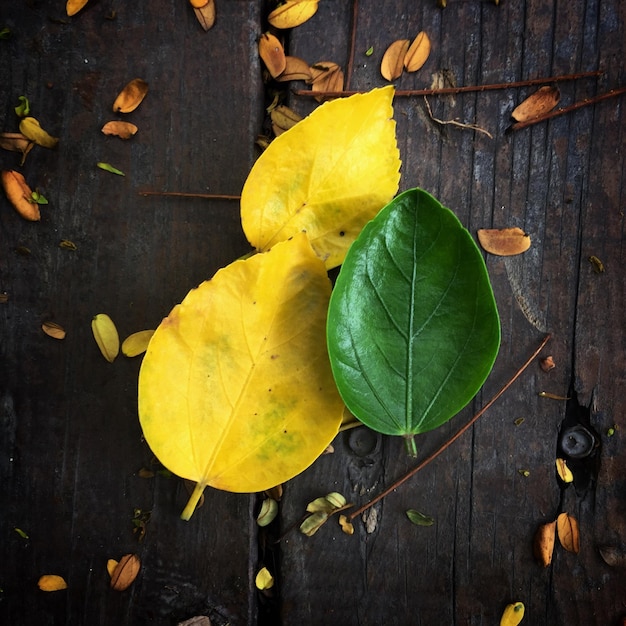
513, 614
30, 127
264, 580
328, 176
292, 13
105, 334
235, 390
51, 582
137, 343
74, 6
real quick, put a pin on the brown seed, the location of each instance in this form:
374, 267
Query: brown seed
125, 572
543, 544
123, 130
547, 364
206, 14
504, 241
393, 60
272, 54
131, 96
418, 53
538, 103
295, 69
20, 195
569, 534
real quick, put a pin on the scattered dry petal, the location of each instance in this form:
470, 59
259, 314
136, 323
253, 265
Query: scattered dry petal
52, 329
123, 130
131, 96
20, 195
106, 336
326, 76
283, 118
292, 13
264, 580
206, 14
295, 69
418, 53
547, 364
569, 534
125, 572
513, 614
393, 60
564, 472
504, 241
72, 7
272, 54
268, 512
543, 545
31, 129
346, 525
111, 565
538, 103
137, 343
51, 582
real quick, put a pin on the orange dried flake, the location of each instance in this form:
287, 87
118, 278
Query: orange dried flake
131, 96
392, 62
537, 104
504, 241
272, 54
20, 195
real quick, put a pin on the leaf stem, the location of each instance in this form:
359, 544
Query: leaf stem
439, 450
572, 107
456, 90
409, 443
190, 507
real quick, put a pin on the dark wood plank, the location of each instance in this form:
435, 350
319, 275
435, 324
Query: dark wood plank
562, 182
71, 441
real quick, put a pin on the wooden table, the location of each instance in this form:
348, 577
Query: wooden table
71, 444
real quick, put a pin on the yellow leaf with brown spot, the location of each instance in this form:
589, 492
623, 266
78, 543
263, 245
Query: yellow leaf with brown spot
569, 533
513, 614
272, 54
51, 582
504, 241
131, 96
292, 13
20, 195
393, 60
236, 390
327, 176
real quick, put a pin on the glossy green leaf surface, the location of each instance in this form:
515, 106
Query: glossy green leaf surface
413, 329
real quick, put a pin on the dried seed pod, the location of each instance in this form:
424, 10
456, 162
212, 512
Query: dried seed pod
543, 543
292, 13
131, 96
393, 60
205, 14
272, 54
504, 241
569, 533
51, 582
106, 336
54, 330
538, 103
418, 53
20, 195
125, 572
123, 130
295, 69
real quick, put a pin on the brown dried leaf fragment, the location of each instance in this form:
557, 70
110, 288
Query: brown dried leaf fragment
131, 96
543, 543
51, 582
569, 534
125, 572
326, 76
20, 195
283, 118
547, 363
16, 142
31, 128
321, 70
418, 53
504, 241
205, 14
54, 330
292, 13
538, 103
272, 54
392, 63
72, 7
295, 69
123, 130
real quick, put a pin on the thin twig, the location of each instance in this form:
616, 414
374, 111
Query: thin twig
182, 194
350, 65
569, 109
455, 122
437, 452
442, 91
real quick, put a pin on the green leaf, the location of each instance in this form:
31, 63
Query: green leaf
413, 329
109, 168
419, 519
23, 108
